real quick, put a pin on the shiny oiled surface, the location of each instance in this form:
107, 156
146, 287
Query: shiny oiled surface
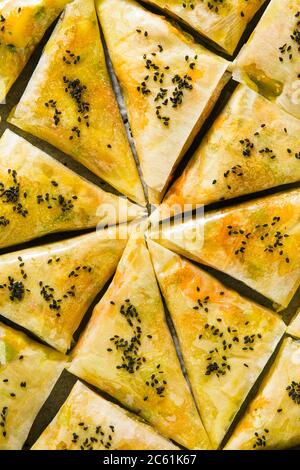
66, 382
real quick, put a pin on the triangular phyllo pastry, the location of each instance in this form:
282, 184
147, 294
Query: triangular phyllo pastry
272, 420
225, 339
87, 421
270, 61
28, 372
48, 289
127, 351
39, 195
222, 22
169, 82
256, 242
294, 327
70, 102
253, 145
22, 26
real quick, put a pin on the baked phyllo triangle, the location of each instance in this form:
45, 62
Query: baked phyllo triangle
272, 420
169, 83
222, 22
127, 351
28, 372
270, 61
226, 340
39, 195
22, 26
87, 421
294, 327
48, 289
256, 242
70, 102
253, 145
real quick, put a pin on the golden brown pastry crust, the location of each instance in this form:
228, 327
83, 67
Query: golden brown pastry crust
270, 61
222, 22
294, 327
272, 419
226, 340
256, 242
169, 83
48, 289
128, 352
28, 372
22, 26
88, 422
70, 102
253, 145
39, 195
